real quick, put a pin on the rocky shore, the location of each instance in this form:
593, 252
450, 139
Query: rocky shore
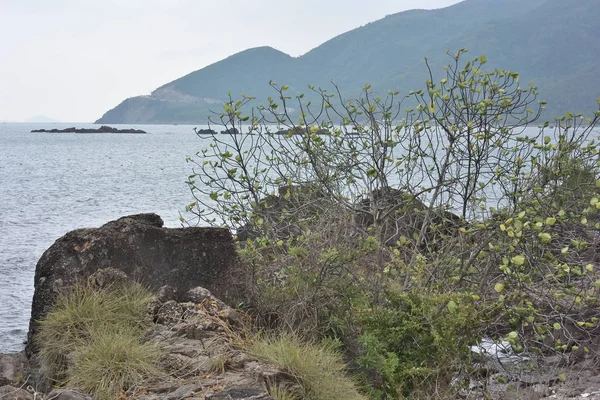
196, 278
102, 129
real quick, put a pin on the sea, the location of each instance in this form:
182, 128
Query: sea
52, 183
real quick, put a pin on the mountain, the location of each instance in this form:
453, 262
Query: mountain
554, 43
41, 118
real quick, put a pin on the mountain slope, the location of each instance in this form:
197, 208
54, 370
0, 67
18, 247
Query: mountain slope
554, 43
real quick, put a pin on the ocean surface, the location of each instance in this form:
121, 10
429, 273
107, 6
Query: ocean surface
51, 183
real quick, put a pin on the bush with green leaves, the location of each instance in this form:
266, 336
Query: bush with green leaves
418, 341
374, 205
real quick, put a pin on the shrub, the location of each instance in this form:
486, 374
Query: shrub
418, 342
408, 215
318, 369
94, 338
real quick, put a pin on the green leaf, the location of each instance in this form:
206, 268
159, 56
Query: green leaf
545, 237
498, 287
518, 260
483, 59
513, 335
556, 326
550, 221
452, 306
589, 267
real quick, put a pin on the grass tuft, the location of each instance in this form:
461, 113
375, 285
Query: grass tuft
318, 369
112, 362
281, 393
93, 338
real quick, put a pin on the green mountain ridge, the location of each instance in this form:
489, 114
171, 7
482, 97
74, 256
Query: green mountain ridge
554, 43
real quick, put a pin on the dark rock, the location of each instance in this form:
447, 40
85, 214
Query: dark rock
230, 131
68, 394
140, 247
208, 132
169, 313
12, 368
107, 277
184, 392
198, 295
401, 214
283, 212
13, 393
102, 129
166, 293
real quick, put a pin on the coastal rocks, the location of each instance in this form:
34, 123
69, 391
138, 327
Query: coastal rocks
12, 368
201, 358
138, 246
102, 129
230, 131
207, 132
13, 393
68, 394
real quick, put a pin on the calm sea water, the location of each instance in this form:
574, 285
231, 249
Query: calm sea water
53, 183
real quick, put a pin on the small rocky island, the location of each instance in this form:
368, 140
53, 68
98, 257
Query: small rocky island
102, 129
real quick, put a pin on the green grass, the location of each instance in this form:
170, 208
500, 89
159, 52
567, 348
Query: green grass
281, 393
93, 339
112, 362
318, 369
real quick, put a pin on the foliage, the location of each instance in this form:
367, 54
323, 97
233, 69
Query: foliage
418, 340
318, 369
412, 232
93, 338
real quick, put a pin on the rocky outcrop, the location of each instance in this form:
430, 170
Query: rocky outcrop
201, 356
207, 132
102, 129
142, 249
230, 131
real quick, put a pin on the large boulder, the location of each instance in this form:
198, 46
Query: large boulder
139, 246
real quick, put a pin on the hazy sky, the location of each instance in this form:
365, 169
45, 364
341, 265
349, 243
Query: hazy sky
72, 60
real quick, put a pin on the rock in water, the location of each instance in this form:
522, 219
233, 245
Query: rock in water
138, 245
102, 129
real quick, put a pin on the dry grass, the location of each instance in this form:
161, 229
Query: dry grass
318, 369
112, 362
93, 339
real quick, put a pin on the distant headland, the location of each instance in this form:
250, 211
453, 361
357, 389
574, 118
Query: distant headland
102, 129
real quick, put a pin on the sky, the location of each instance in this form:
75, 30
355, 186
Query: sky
72, 60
